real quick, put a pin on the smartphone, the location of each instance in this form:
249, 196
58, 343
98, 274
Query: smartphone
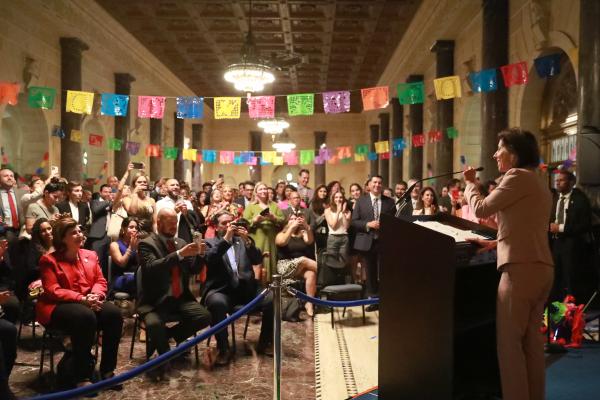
221, 176
454, 194
138, 165
265, 212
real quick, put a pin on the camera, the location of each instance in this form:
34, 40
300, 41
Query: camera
241, 223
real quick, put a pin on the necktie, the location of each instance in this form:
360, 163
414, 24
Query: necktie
561, 211
175, 273
234, 266
13, 210
376, 209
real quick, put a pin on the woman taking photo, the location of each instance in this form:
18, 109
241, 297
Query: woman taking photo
123, 254
74, 302
296, 256
427, 203
265, 221
231, 206
139, 204
209, 211
522, 202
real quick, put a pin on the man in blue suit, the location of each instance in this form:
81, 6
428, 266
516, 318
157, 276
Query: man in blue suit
230, 281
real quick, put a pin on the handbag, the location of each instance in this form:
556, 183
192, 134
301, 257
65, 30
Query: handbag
114, 225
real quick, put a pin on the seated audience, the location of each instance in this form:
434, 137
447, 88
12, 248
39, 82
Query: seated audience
44, 207
123, 254
74, 302
427, 204
32, 250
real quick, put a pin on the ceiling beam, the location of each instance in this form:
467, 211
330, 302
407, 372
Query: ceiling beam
288, 38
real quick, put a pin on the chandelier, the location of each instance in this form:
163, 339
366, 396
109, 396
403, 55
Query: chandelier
284, 143
273, 126
251, 73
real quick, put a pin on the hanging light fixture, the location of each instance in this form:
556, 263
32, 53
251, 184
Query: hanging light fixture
273, 126
251, 73
284, 143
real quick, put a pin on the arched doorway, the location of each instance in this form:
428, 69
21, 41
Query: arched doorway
286, 173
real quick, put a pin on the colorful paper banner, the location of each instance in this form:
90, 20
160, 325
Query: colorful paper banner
151, 107
434, 136
169, 153
484, 81
115, 144
58, 132
277, 160
114, 104
9, 93
548, 66
372, 156
411, 92
132, 147
153, 150
382, 147
226, 157
291, 157
261, 106
398, 146
41, 97
344, 152
209, 156
375, 97
447, 87
268, 156
307, 156
76, 136
190, 154
452, 132
362, 149
515, 74
95, 140
228, 107
418, 140
79, 102
301, 104
336, 102
190, 107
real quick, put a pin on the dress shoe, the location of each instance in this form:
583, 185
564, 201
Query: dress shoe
223, 358
265, 348
372, 307
116, 388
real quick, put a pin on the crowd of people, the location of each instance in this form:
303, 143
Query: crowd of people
66, 251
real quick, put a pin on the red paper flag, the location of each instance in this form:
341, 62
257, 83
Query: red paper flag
375, 97
435, 136
9, 93
95, 140
153, 150
515, 74
384, 156
418, 140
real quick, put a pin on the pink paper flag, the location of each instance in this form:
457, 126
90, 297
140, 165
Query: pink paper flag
226, 157
151, 107
261, 106
291, 158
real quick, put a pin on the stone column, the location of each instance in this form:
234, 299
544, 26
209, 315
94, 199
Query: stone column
415, 126
320, 138
384, 135
588, 108
397, 130
197, 144
122, 86
494, 105
71, 161
444, 149
256, 147
179, 164
374, 165
156, 131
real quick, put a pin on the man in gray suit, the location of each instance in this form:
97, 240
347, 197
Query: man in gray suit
98, 239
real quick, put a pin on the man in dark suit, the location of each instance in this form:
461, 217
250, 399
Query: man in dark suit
98, 239
166, 264
11, 213
230, 281
74, 206
570, 232
246, 196
365, 221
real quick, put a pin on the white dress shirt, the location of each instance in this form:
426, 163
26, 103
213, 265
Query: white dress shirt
567, 197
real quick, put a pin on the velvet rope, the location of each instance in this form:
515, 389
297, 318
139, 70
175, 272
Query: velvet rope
329, 303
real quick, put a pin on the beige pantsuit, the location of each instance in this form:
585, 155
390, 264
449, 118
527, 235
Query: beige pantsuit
522, 203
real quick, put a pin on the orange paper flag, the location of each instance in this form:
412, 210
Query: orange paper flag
375, 97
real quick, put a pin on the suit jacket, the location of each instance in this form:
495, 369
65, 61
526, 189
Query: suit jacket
220, 275
192, 222
63, 284
84, 212
362, 213
156, 263
578, 219
522, 201
20, 211
241, 201
100, 210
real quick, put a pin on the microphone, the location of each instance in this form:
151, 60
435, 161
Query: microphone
404, 198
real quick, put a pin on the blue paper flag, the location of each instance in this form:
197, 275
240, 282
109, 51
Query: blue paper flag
209, 156
262, 162
372, 156
246, 156
398, 145
190, 107
547, 66
484, 80
114, 104
58, 132
237, 160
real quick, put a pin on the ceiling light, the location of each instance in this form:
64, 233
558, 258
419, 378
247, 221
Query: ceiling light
284, 143
273, 126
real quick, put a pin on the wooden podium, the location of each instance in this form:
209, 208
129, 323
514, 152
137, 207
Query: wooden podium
437, 313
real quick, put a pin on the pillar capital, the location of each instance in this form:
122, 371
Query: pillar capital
73, 45
442, 46
415, 78
124, 80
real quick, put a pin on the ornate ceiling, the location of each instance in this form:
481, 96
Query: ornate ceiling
334, 44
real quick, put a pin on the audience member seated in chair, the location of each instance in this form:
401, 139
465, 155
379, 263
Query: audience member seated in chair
8, 334
123, 254
166, 264
296, 255
231, 281
74, 302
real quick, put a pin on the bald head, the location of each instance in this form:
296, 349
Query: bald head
166, 222
173, 188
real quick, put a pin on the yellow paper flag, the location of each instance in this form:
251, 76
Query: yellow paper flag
382, 147
360, 157
189, 154
277, 160
228, 107
268, 156
76, 136
79, 102
447, 87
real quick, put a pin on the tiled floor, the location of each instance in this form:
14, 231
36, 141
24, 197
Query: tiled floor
249, 376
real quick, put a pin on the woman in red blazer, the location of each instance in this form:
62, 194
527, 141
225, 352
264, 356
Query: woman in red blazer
74, 302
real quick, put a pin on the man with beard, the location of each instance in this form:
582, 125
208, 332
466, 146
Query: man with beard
230, 281
188, 220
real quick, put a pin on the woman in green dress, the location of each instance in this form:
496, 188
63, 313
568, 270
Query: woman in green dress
264, 226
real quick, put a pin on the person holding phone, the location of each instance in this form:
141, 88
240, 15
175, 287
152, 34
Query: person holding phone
266, 219
139, 204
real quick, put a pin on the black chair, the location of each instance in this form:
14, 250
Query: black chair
119, 297
52, 339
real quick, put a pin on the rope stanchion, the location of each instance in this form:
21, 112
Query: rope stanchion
329, 303
163, 358
276, 286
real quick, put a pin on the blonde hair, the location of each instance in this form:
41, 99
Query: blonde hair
254, 196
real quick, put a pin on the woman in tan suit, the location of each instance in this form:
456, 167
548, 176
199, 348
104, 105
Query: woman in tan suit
522, 202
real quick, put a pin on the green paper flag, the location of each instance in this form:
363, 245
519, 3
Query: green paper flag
41, 97
361, 149
307, 156
301, 104
170, 153
411, 93
115, 144
452, 132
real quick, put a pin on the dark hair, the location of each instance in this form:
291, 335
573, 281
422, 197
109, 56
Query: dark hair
34, 179
303, 170
249, 183
103, 186
522, 144
53, 187
452, 182
570, 176
402, 183
420, 204
60, 228
72, 185
317, 204
205, 184
357, 185
125, 224
36, 235
215, 218
374, 176
332, 203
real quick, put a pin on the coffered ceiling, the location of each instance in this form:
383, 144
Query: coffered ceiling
320, 44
